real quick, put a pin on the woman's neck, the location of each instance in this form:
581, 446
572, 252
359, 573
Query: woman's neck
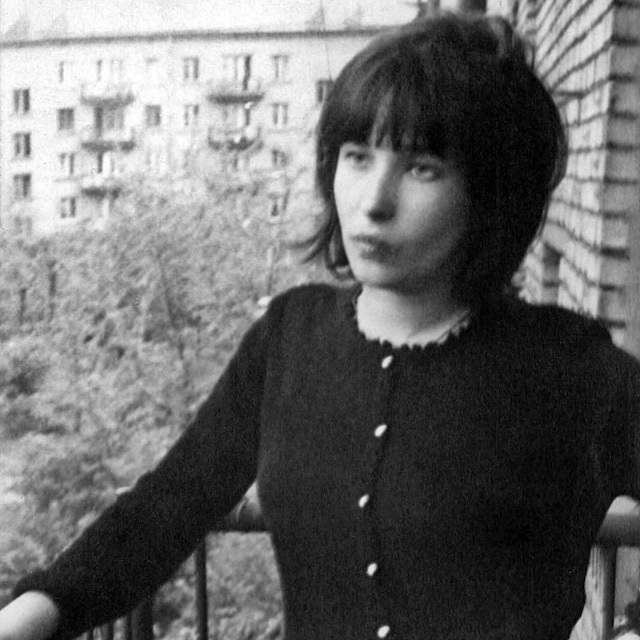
401, 318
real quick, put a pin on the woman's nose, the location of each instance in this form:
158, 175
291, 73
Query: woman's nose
380, 194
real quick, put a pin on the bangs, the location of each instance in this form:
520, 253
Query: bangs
400, 100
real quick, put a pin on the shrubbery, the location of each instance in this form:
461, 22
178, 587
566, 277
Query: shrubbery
109, 341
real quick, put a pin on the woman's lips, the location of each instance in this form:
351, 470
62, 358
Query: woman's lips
372, 247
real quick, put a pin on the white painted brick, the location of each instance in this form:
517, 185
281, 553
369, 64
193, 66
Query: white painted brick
604, 232
624, 131
545, 274
590, 195
627, 23
625, 98
572, 111
624, 60
622, 164
609, 305
597, 163
619, 198
596, 102
603, 66
598, 269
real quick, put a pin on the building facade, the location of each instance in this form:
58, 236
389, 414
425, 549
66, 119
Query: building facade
77, 114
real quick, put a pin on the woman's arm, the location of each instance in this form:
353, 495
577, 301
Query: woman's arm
32, 616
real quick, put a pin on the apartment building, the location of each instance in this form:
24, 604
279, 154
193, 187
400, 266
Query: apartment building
77, 113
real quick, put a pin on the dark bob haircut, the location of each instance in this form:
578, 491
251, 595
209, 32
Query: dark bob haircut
461, 87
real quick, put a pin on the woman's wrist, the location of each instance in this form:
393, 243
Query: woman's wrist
31, 616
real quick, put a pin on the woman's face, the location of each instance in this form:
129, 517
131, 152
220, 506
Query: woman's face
402, 215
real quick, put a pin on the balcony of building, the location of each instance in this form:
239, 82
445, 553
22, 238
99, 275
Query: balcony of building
234, 138
230, 91
96, 139
620, 529
101, 184
107, 93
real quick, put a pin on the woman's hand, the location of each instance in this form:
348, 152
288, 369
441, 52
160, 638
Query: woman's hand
31, 616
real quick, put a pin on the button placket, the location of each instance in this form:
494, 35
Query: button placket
365, 501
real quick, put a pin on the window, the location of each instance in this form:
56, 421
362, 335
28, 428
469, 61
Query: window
154, 159
277, 206
280, 114
107, 164
67, 207
67, 163
278, 158
238, 69
21, 101
113, 119
66, 120
64, 72
280, 68
190, 68
323, 87
191, 113
238, 116
116, 69
22, 145
22, 186
153, 70
153, 115
109, 70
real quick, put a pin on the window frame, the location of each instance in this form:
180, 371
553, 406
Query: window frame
70, 212
67, 163
22, 145
66, 119
280, 115
323, 87
22, 187
22, 101
191, 115
190, 69
280, 67
153, 116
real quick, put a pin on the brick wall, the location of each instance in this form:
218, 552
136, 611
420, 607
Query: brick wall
587, 51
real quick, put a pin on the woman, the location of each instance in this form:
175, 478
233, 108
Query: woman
433, 458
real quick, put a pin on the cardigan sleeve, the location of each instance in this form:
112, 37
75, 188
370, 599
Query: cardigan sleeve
633, 421
137, 543
619, 440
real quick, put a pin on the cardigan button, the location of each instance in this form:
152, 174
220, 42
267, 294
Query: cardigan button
380, 430
386, 362
362, 503
372, 569
383, 631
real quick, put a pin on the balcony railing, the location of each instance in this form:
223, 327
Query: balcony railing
230, 91
233, 138
100, 184
102, 139
107, 93
621, 528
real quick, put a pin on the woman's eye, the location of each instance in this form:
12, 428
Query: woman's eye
424, 171
355, 156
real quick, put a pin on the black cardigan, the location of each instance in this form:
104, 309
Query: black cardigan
444, 492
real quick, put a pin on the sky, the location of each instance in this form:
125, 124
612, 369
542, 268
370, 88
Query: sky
99, 16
